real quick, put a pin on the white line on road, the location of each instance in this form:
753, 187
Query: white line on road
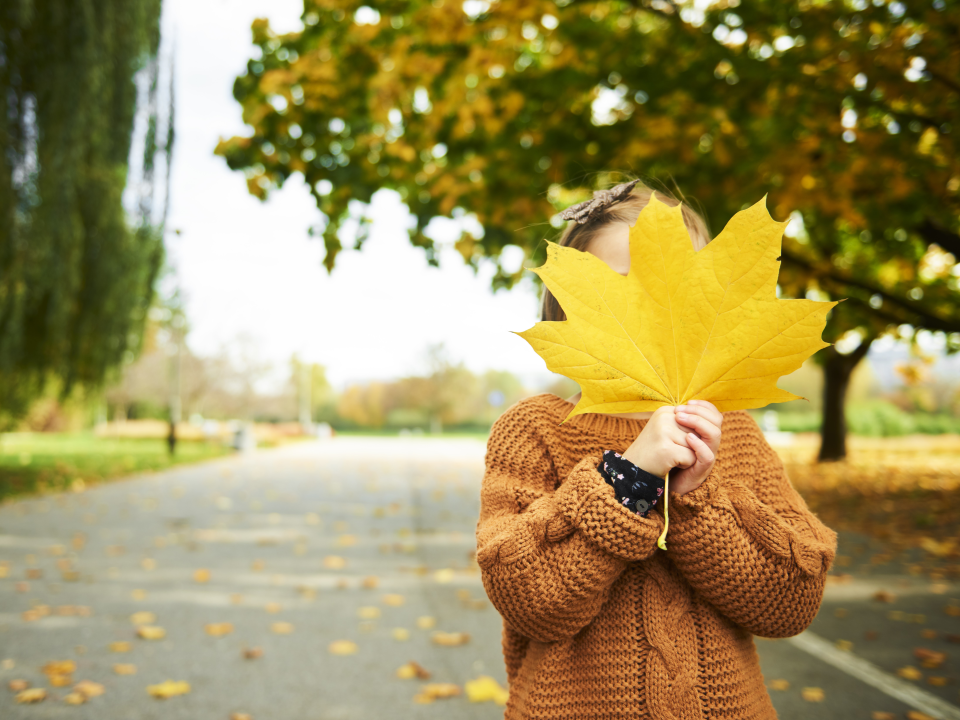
869, 673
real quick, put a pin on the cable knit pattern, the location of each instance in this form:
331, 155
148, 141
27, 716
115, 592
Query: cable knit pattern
600, 623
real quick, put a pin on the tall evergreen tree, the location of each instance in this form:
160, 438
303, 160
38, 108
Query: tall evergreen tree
77, 268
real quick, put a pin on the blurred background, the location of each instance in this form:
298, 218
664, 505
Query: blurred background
236, 225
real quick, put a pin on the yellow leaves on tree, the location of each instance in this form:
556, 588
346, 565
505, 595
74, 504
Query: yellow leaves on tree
682, 324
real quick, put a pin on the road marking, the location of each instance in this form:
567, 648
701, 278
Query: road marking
915, 697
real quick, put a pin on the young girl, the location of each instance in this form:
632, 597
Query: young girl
600, 623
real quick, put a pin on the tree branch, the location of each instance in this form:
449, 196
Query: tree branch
928, 320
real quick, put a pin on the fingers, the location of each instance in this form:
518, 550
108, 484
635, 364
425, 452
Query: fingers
704, 427
703, 452
704, 409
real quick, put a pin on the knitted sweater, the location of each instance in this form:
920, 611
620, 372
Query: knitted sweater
600, 623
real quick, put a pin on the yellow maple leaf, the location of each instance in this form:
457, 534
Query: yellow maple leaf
682, 324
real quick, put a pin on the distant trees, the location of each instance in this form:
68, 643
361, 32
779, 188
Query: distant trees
842, 110
77, 269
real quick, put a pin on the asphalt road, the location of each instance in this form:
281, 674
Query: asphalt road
363, 545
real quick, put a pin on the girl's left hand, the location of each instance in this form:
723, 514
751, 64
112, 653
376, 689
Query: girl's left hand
704, 420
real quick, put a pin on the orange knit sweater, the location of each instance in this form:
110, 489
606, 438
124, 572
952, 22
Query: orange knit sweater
600, 623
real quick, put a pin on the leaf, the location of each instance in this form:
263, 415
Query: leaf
334, 562
31, 695
282, 628
120, 646
909, 673
812, 694
682, 324
392, 599
780, 684
930, 659
144, 617
400, 633
169, 689
436, 691
18, 685
413, 670
368, 613
450, 639
125, 669
426, 622
89, 689
201, 576
342, 647
74, 698
218, 629
59, 667
151, 632
485, 689
884, 596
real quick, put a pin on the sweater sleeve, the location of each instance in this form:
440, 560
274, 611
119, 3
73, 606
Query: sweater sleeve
548, 558
748, 543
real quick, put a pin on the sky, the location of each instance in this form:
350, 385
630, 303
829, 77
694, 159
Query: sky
249, 270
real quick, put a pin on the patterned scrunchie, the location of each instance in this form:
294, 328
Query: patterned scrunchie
636, 489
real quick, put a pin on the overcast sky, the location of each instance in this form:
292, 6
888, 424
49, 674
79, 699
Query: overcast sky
249, 268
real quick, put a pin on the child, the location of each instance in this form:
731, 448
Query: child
600, 623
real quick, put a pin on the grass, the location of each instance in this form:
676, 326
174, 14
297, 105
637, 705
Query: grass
43, 462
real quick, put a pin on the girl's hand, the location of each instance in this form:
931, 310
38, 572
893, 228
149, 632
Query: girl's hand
704, 420
661, 445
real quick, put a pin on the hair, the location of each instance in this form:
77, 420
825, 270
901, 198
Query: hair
579, 236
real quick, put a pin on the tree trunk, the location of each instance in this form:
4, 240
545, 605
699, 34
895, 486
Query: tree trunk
837, 370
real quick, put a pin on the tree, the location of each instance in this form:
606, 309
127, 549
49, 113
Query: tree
840, 111
76, 272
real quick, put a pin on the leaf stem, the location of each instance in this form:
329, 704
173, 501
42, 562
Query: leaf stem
662, 540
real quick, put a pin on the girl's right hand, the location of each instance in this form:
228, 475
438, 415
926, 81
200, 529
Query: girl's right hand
661, 445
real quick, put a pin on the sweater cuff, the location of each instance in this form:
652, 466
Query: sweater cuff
691, 503
590, 504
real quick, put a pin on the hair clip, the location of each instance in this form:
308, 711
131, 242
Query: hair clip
589, 209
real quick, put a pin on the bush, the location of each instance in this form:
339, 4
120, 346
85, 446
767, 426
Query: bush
875, 419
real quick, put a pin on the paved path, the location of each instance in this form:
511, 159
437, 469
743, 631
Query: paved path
361, 540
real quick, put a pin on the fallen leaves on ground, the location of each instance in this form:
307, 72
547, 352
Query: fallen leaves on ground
884, 596
937, 681
31, 695
342, 647
370, 582
392, 599
151, 632
74, 698
881, 715
450, 639
282, 628
400, 634
812, 694
253, 653
169, 689
240, 716
201, 575
909, 673
120, 646
144, 617
334, 562
18, 685
780, 684
486, 689
89, 689
917, 715
413, 670
59, 667
844, 645
930, 659
125, 669
426, 622
436, 691
218, 629
368, 613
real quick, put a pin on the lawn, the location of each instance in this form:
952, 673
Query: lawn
40, 462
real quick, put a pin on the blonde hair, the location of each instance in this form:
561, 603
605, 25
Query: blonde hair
579, 236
